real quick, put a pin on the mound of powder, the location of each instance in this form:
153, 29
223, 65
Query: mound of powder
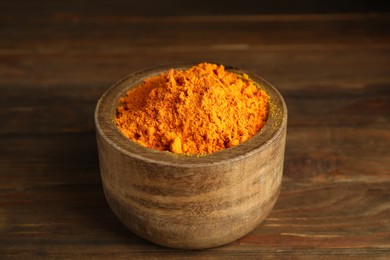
200, 110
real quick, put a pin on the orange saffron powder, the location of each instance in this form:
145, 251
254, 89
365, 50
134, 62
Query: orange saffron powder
197, 111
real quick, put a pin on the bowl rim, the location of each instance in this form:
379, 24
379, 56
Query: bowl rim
106, 127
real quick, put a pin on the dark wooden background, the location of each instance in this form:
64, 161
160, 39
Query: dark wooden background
329, 59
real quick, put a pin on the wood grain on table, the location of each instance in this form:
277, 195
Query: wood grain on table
331, 64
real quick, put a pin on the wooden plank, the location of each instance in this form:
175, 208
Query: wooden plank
199, 7
72, 33
348, 69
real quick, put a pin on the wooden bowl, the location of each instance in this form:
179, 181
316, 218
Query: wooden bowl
184, 201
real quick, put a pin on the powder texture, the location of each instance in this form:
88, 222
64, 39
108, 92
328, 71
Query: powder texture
200, 110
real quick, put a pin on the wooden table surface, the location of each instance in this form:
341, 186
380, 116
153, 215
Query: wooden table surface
331, 63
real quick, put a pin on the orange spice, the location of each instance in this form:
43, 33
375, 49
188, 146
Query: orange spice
200, 110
